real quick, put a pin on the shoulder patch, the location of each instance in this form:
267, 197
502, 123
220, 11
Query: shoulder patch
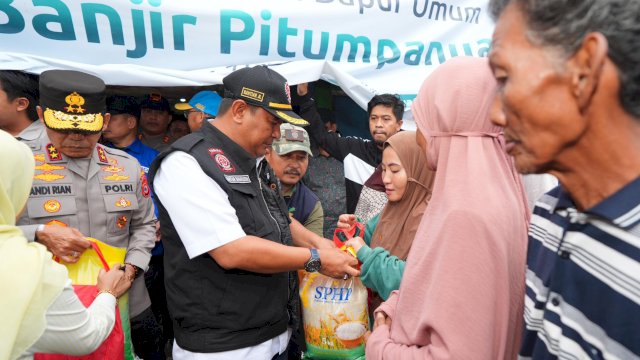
144, 185
221, 160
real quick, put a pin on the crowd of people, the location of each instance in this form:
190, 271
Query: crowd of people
218, 203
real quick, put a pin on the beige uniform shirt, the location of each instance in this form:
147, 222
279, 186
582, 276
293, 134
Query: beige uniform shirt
106, 197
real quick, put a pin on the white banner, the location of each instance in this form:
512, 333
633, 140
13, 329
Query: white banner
364, 46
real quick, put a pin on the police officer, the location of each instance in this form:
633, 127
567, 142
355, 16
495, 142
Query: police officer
97, 191
228, 266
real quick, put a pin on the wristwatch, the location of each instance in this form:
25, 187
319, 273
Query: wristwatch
313, 264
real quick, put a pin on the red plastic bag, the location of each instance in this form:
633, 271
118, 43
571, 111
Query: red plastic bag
113, 346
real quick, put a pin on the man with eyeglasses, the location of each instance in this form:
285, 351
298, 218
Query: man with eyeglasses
203, 105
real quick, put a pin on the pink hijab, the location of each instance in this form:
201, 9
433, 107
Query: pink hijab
462, 291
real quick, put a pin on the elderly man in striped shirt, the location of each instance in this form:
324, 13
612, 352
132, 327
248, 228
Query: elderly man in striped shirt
569, 100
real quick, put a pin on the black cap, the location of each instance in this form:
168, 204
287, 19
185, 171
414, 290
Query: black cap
155, 101
119, 104
72, 101
263, 87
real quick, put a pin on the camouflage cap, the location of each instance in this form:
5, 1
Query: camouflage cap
292, 138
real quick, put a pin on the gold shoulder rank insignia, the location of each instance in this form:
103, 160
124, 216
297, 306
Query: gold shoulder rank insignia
101, 155
39, 157
53, 153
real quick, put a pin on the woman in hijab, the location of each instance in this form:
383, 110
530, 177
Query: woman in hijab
39, 311
462, 292
407, 182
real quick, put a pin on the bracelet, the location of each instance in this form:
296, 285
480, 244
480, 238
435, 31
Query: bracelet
107, 291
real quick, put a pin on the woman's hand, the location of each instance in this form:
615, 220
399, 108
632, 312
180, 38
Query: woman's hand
345, 221
114, 281
356, 243
380, 319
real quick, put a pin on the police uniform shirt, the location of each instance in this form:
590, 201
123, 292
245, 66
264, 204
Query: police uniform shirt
105, 197
32, 134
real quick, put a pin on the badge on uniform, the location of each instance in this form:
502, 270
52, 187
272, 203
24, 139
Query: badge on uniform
238, 179
121, 222
56, 223
123, 202
116, 177
144, 184
46, 167
112, 169
221, 160
48, 177
52, 206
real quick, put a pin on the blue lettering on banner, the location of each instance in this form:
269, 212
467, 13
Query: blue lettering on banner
332, 294
60, 26
359, 47
52, 19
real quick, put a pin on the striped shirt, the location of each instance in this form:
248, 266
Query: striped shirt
582, 296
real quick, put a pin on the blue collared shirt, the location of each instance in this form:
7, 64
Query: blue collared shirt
583, 278
145, 156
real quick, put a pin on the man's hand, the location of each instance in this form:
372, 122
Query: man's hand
64, 242
337, 264
302, 89
129, 272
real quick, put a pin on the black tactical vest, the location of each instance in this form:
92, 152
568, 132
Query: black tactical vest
214, 309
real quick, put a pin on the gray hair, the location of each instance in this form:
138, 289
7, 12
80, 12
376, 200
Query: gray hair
563, 24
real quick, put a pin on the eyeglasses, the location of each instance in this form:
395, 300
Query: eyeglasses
206, 116
186, 113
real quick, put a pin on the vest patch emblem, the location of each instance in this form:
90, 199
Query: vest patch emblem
123, 202
121, 221
52, 206
221, 160
238, 179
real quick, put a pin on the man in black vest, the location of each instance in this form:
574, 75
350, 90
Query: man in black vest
229, 263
